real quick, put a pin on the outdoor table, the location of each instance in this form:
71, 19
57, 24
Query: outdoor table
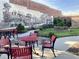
28, 40
7, 46
5, 50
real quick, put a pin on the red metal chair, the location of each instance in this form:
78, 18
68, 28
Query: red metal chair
21, 53
49, 41
4, 50
49, 44
14, 33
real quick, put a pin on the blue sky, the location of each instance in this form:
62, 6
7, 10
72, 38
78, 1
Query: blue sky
68, 7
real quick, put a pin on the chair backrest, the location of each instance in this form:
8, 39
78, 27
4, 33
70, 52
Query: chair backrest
4, 41
14, 31
34, 36
53, 39
21, 52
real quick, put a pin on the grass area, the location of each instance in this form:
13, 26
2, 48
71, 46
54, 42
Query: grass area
71, 32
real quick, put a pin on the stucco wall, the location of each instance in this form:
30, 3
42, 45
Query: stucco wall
37, 6
23, 10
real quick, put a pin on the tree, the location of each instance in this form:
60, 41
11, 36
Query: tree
7, 6
20, 28
59, 21
6, 12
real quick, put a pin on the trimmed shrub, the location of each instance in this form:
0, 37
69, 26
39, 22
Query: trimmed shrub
46, 26
21, 28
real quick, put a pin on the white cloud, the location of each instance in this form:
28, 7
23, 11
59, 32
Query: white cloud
67, 13
71, 13
47, 2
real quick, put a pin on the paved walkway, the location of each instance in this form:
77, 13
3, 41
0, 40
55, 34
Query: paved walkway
61, 45
65, 42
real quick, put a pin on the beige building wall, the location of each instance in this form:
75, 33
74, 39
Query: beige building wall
75, 21
37, 7
24, 10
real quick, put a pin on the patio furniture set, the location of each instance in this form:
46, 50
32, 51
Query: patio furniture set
24, 52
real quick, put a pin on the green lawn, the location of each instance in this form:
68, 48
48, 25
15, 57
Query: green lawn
72, 32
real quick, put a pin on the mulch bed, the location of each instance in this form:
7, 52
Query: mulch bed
74, 49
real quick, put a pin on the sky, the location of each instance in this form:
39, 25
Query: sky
68, 7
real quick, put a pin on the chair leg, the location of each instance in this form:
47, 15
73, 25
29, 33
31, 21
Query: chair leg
42, 51
37, 43
25, 43
33, 46
13, 36
8, 56
53, 52
11, 56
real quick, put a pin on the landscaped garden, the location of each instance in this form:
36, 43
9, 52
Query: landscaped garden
61, 27
70, 32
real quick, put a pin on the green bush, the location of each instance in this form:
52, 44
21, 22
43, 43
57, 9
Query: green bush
45, 26
50, 34
31, 28
58, 21
21, 28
